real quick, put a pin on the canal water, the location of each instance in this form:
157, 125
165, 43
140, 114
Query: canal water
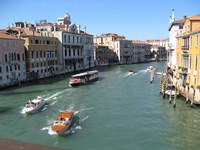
118, 112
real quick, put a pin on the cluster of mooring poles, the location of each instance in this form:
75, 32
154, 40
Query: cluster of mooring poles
172, 90
164, 83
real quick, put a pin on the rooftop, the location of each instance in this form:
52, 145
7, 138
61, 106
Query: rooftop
6, 35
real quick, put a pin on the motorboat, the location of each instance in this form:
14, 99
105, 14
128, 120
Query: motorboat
150, 68
34, 105
130, 72
62, 122
83, 78
172, 92
158, 73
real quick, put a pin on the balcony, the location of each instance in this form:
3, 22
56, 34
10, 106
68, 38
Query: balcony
185, 49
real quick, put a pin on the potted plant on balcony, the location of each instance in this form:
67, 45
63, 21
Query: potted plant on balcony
198, 86
184, 70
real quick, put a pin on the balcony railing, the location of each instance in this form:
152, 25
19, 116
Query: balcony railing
185, 49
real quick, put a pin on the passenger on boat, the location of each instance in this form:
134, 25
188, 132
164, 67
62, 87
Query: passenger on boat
30, 103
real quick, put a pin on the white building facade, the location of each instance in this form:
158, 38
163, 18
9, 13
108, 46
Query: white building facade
127, 51
175, 28
76, 50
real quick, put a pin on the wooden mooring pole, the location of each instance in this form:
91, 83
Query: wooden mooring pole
170, 96
174, 104
152, 75
187, 94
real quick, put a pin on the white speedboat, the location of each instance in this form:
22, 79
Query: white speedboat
172, 92
34, 105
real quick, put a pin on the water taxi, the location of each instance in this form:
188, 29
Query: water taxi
34, 105
83, 78
62, 122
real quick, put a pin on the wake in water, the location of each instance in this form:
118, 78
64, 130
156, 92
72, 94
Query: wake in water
136, 73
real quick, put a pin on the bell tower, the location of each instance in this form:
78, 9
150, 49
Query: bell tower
172, 17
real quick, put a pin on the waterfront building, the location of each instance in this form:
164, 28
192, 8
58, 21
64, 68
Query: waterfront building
108, 39
40, 51
158, 52
141, 51
88, 50
175, 28
159, 42
124, 51
104, 56
75, 50
12, 59
188, 54
127, 51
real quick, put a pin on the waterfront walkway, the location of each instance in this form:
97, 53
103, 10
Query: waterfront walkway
7, 144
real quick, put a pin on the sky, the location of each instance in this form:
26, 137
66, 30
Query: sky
134, 19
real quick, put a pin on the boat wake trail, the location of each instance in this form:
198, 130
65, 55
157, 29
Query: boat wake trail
23, 110
84, 109
84, 119
54, 96
50, 131
139, 72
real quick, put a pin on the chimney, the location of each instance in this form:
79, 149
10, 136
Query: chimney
79, 29
85, 29
54, 27
66, 28
25, 24
184, 17
19, 34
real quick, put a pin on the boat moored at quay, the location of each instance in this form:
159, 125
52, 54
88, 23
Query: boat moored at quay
83, 78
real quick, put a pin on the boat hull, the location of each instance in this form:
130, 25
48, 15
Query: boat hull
35, 109
83, 78
82, 83
63, 122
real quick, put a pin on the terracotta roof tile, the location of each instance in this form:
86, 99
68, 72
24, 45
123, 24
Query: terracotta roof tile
195, 17
137, 42
6, 35
26, 31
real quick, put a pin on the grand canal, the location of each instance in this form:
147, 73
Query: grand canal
118, 112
